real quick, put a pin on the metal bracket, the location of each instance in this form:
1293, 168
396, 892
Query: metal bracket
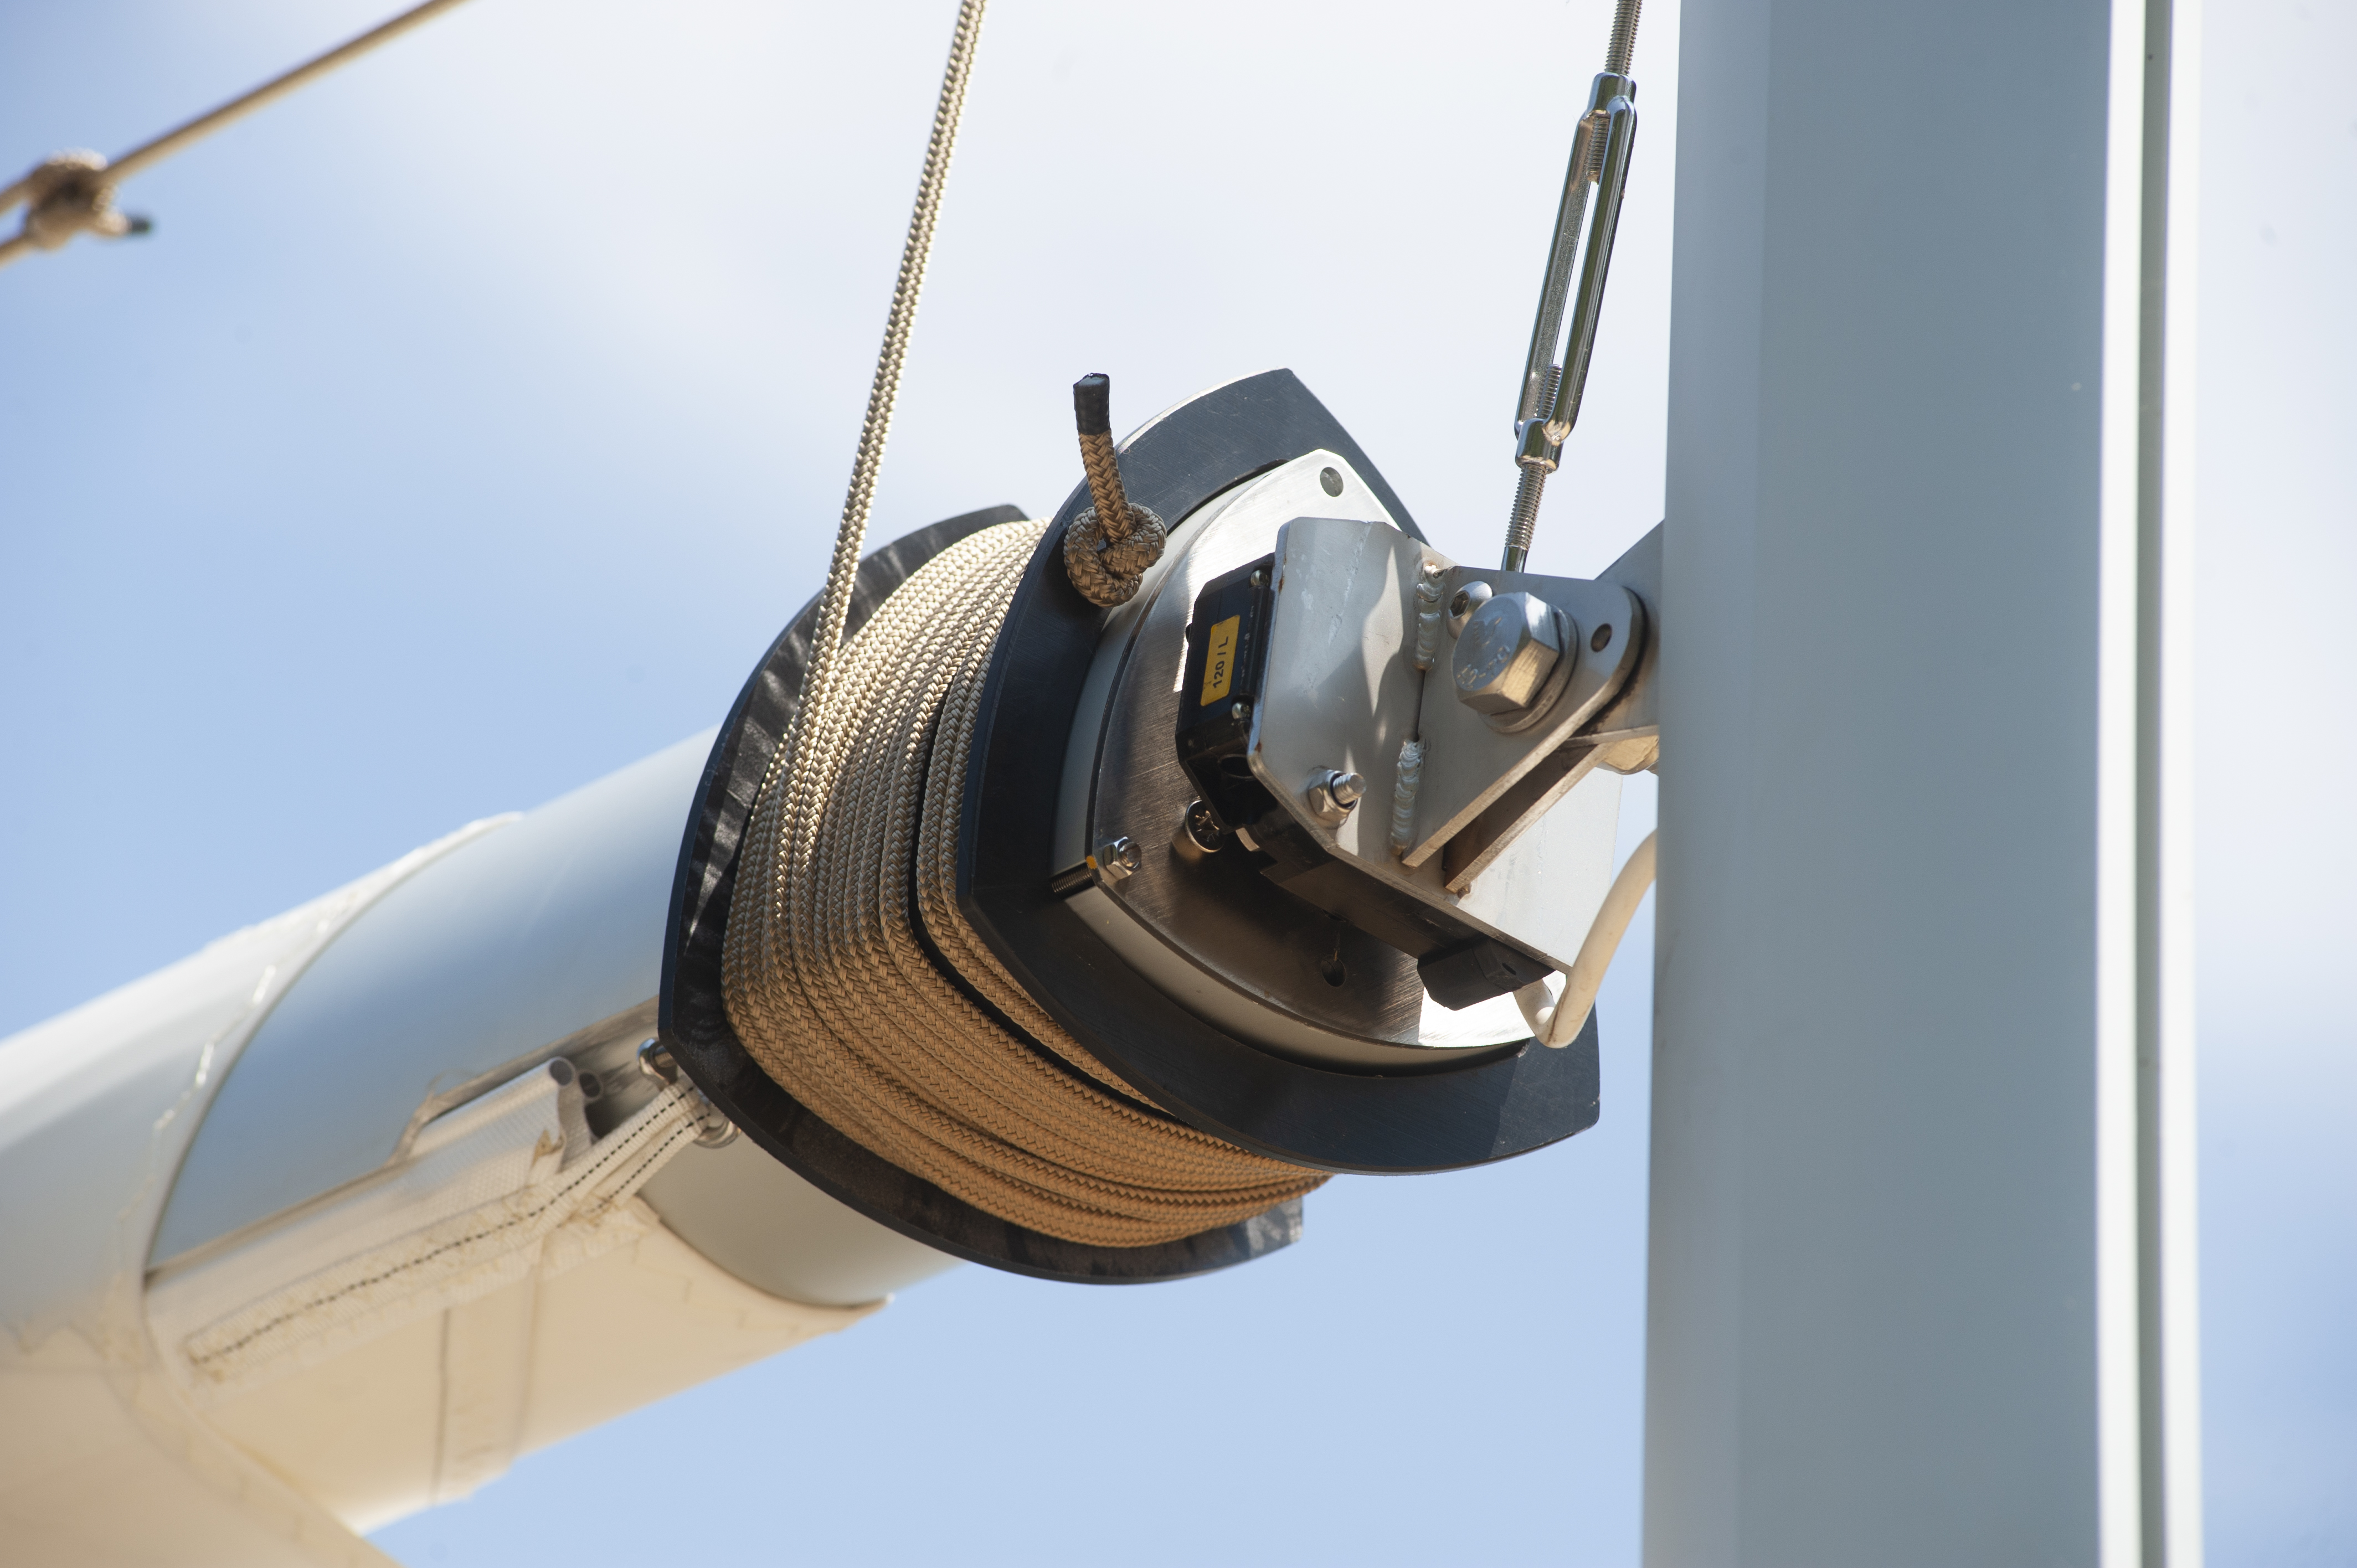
1342, 692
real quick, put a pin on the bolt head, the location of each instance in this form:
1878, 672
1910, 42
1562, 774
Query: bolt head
1464, 603
1118, 858
1507, 651
1199, 835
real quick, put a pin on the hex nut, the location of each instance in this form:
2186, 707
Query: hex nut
1332, 794
1118, 858
1505, 654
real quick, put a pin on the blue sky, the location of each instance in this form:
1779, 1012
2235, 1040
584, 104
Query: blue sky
471, 422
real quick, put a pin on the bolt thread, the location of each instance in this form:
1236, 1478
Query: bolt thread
1623, 47
1525, 523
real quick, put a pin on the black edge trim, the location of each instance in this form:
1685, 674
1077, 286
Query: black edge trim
693, 1019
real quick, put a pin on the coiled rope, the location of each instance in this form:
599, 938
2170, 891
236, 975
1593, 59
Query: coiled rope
849, 972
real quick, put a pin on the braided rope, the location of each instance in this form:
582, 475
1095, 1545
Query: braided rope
848, 871
1109, 545
830, 985
1106, 569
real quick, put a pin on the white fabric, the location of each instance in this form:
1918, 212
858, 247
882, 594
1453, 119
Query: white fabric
486, 1198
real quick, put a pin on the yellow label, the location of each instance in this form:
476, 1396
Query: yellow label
1220, 661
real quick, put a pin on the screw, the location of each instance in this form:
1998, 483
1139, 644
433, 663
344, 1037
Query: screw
1467, 603
1240, 711
1329, 481
1198, 834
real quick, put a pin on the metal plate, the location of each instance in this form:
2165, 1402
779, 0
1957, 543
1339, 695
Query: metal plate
1350, 693
1229, 943
1467, 763
1468, 1107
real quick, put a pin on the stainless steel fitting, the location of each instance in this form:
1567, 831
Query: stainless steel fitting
1118, 858
1508, 649
1463, 603
1332, 794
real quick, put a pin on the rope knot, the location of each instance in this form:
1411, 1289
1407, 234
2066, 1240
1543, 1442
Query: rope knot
1109, 545
1107, 568
70, 195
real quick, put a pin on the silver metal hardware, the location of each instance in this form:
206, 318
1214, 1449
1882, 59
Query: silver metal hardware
713, 1130
1117, 859
1198, 835
655, 1061
1614, 96
1329, 481
1341, 693
1508, 651
1209, 929
1548, 404
1332, 794
1468, 598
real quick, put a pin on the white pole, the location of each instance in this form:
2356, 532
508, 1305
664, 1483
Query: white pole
1911, 749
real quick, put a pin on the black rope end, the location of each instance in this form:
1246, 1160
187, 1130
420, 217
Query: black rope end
1092, 404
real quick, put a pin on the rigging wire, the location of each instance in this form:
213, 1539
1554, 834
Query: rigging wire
73, 193
1551, 389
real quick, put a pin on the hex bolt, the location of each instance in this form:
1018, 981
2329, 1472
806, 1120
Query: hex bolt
1118, 858
1505, 654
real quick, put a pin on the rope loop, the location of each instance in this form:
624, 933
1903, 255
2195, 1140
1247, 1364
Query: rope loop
1108, 570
